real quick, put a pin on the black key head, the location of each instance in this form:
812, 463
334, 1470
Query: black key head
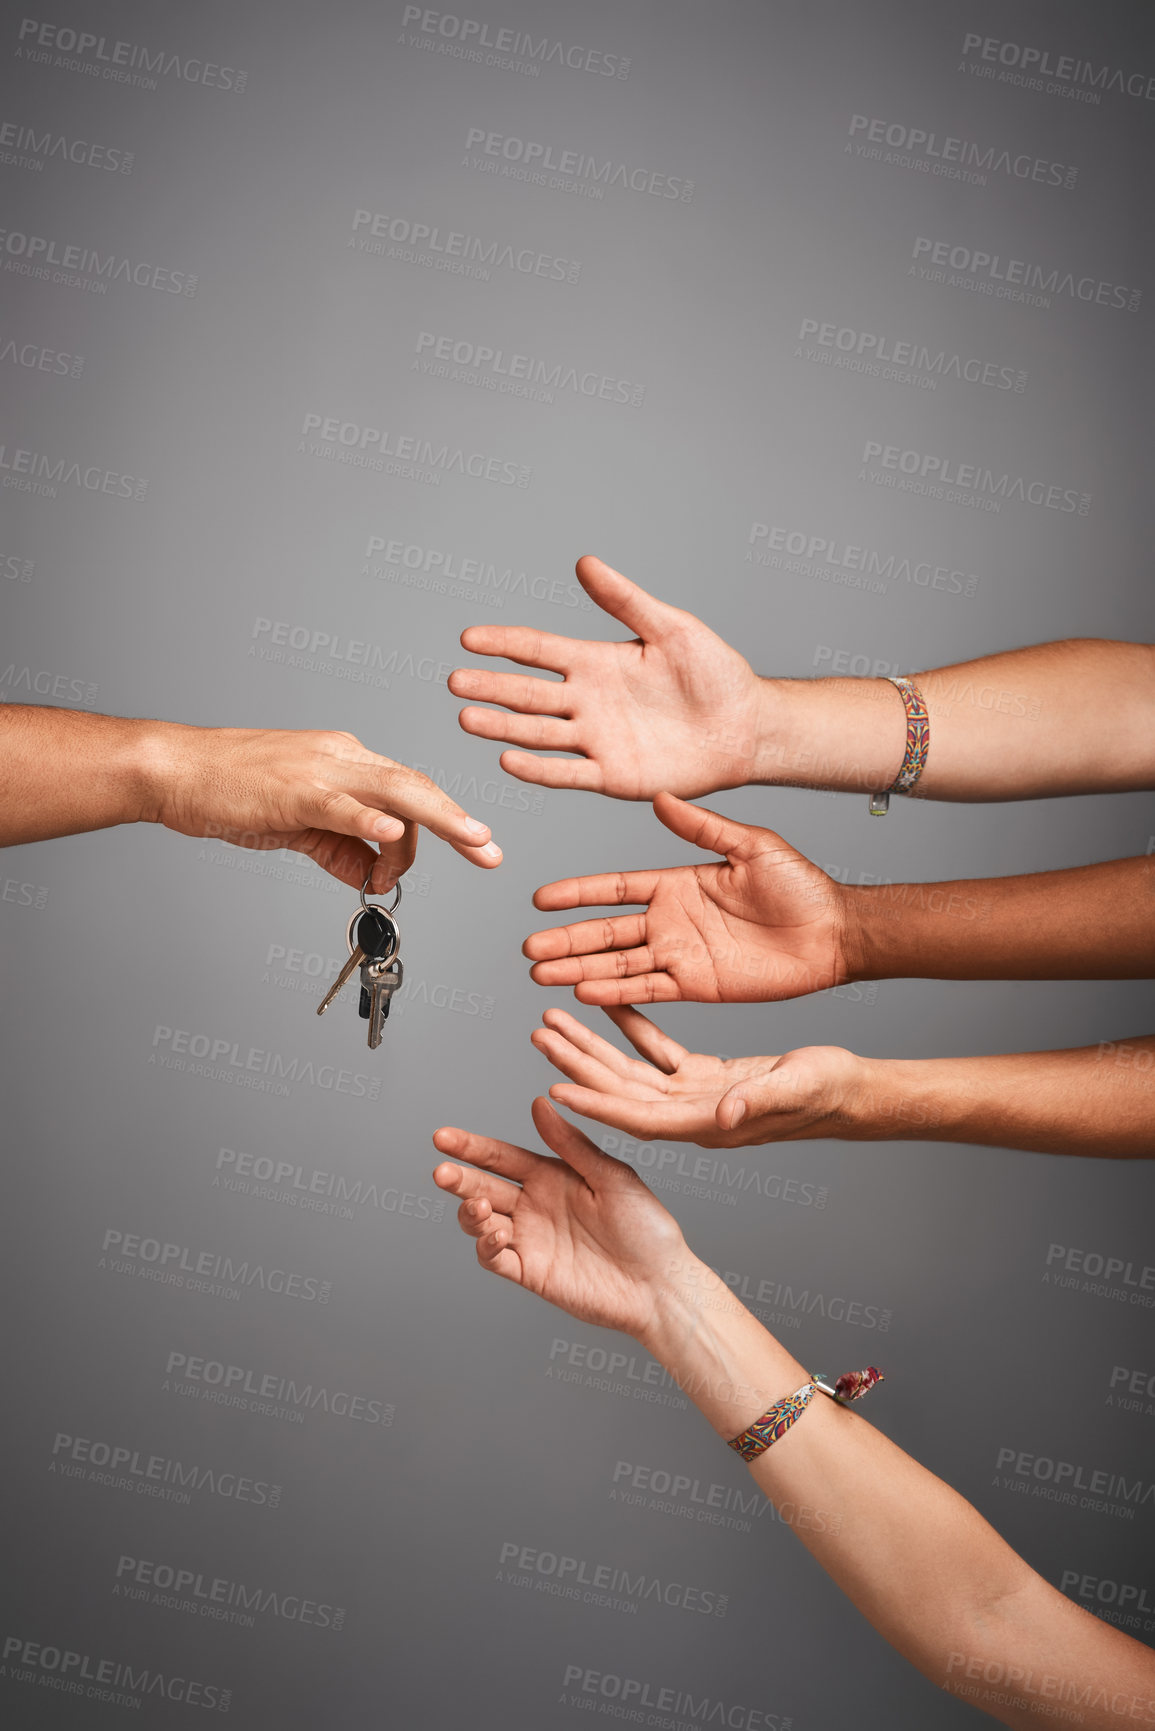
377, 935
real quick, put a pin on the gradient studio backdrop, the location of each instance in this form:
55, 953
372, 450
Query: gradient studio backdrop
276, 186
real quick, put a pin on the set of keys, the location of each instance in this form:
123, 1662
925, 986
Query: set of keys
378, 939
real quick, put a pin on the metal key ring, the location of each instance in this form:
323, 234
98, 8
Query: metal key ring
396, 898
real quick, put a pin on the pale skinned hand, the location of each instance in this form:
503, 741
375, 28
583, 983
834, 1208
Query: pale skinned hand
674, 707
319, 793
766, 925
581, 1231
679, 1096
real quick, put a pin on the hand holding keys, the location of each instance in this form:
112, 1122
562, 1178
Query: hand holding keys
378, 940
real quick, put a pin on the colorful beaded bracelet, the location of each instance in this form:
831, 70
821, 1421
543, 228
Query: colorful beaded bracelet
917, 744
756, 1438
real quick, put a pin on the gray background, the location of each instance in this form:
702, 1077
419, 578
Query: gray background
150, 606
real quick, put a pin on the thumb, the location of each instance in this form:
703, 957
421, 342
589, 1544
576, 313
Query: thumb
706, 829
642, 613
750, 1100
570, 1145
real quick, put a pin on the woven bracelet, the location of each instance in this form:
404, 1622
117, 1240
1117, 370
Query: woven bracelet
917, 745
774, 1423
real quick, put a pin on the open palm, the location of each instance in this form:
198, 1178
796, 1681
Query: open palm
679, 1096
674, 708
767, 924
581, 1231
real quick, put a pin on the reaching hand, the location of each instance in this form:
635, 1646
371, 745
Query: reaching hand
673, 708
768, 924
321, 794
582, 1231
680, 1096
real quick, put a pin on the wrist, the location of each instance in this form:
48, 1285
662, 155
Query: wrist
847, 735
718, 1354
907, 1100
158, 766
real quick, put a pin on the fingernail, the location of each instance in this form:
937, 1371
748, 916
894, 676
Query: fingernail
738, 1113
387, 826
491, 850
476, 828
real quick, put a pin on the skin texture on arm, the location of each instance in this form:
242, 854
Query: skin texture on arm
769, 924
318, 793
676, 708
1090, 1100
935, 1580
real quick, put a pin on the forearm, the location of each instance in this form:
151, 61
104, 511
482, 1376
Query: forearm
1059, 718
1092, 1100
1091, 922
62, 772
918, 1561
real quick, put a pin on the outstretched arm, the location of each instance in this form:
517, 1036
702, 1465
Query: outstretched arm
1087, 1100
676, 708
770, 924
321, 794
918, 1561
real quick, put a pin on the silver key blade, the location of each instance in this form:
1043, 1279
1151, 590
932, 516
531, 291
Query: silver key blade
372, 981
342, 979
377, 1001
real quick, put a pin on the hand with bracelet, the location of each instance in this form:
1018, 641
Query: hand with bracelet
921, 1564
675, 708
769, 924
319, 793
1091, 1100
